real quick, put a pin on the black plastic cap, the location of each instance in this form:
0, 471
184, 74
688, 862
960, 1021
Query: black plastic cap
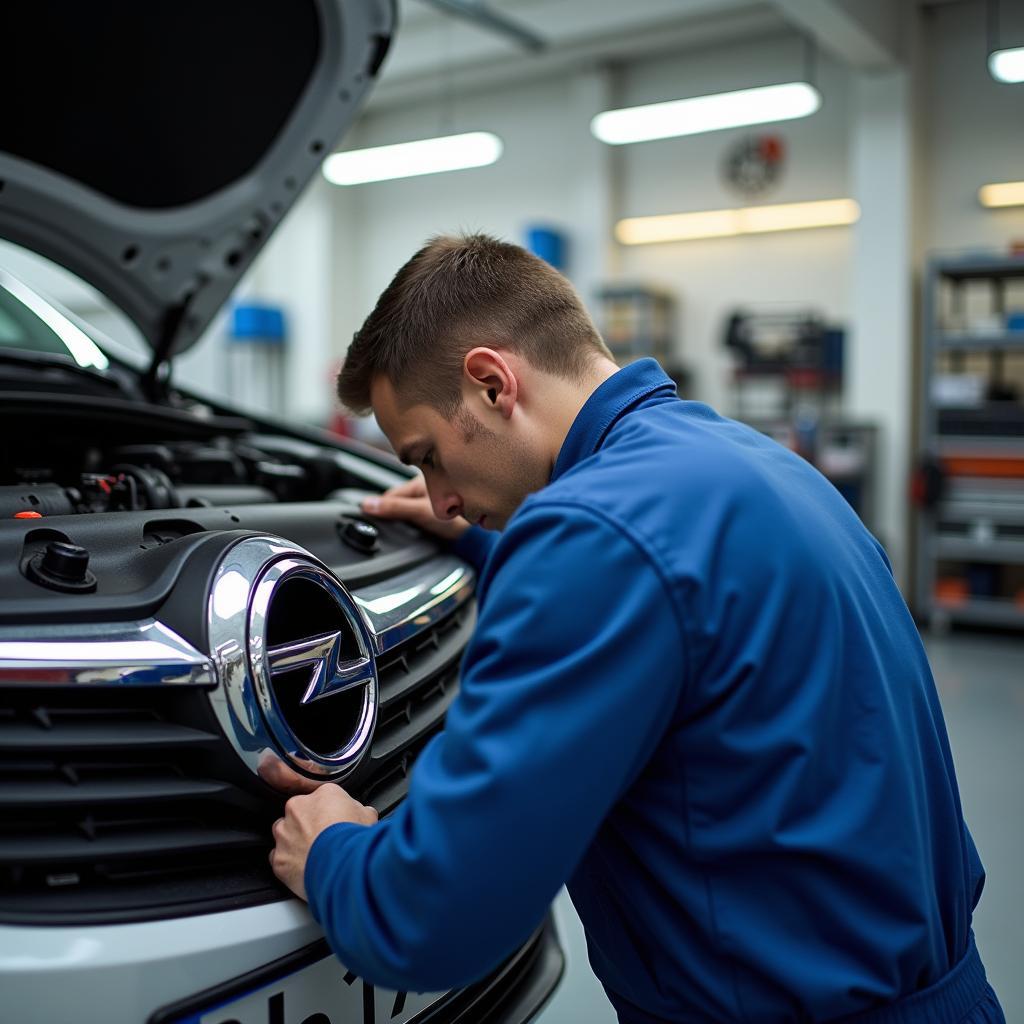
359, 534
62, 566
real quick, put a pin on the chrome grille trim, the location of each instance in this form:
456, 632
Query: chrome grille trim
149, 653
145, 653
398, 608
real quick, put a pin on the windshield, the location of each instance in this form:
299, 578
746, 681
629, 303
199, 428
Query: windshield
21, 329
28, 322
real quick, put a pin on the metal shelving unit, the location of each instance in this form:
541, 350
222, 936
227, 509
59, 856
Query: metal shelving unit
961, 340
985, 611
970, 541
966, 550
637, 321
976, 444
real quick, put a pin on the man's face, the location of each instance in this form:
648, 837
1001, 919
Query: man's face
470, 469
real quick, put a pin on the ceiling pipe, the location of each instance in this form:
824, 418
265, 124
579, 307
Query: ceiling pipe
485, 17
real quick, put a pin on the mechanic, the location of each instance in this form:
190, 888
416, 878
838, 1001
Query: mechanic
694, 694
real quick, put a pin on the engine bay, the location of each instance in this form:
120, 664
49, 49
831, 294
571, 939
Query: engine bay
176, 474
91, 525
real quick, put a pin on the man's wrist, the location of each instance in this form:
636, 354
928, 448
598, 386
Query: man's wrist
322, 859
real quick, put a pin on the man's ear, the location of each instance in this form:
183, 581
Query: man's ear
489, 382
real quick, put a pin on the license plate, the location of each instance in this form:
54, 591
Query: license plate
310, 986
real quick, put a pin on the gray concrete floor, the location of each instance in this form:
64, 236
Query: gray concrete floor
981, 684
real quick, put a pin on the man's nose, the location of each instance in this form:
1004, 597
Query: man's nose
446, 504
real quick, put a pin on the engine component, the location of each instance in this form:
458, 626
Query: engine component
204, 464
46, 499
62, 566
157, 456
147, 488
221, 495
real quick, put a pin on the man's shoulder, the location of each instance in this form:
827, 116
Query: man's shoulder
566, 530
556, 543
684, 481
666, 458
579, 514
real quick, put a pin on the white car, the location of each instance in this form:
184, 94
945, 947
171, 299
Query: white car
187, 591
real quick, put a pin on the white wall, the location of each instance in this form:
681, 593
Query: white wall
974, 129
551, 162
879, 361
535, 180
925, 138
710, 278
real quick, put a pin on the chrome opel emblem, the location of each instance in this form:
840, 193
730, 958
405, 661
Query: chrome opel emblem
324, 654
295, 659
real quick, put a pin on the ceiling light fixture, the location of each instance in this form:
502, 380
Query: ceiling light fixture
1005, 193
408, 159
750, 220
1007, 65
706, 113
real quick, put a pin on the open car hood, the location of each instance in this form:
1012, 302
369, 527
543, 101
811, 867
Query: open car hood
152, 148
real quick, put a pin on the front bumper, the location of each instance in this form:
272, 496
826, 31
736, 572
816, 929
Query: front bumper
130, 973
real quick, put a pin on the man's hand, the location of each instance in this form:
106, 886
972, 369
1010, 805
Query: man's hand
273, 770
409, 501
305, 817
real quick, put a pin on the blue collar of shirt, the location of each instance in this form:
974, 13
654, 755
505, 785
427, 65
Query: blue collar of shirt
615, 397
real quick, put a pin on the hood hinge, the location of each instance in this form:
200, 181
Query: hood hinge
156, 382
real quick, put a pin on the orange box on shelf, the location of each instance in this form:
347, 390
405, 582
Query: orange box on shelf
951, 590
984, 465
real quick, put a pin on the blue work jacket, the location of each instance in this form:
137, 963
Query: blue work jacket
696, 697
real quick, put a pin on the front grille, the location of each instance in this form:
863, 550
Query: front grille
124, 803
128, 803
418, 681
514, 992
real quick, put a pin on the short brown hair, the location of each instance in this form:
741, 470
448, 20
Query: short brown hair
456, 292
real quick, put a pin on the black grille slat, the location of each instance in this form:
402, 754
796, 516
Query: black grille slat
402, 671
419, 679
185, 891
390, 784
425, 713
98, 735
129, 790
387, 796
143, 841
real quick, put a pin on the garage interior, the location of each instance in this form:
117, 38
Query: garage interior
848, 279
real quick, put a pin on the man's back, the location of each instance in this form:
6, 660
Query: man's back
794, 847
695, 696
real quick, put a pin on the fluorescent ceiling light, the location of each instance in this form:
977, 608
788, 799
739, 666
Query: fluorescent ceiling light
1007, 193
407, 159
706, 113
751, 220
1007, 65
